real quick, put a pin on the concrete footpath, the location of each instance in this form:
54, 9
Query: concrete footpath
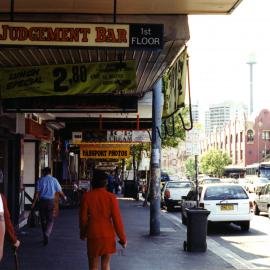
67, 252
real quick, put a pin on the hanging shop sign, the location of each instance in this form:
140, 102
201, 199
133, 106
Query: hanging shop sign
174, 81
104, 151
76, 137
72, 79
82, 35
38, 130
128, 136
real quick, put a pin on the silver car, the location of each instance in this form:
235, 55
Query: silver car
172, 192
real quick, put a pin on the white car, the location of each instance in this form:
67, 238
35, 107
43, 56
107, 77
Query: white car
172, 192
257, 183
226, 203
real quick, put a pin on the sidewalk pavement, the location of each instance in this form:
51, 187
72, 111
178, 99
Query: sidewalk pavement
67, 252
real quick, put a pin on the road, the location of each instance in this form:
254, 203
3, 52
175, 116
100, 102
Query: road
244, 250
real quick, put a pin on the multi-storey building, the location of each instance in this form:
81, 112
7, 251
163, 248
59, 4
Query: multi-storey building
246, 141
220, 114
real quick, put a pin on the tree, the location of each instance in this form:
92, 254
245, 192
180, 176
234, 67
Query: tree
214, 162
172, 131
190, 168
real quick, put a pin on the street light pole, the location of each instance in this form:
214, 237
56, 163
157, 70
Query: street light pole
259, 127
251, 62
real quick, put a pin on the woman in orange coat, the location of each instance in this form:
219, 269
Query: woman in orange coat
100, 221
6, 227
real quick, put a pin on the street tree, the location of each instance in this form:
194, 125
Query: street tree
213, 162
172, 132
190, 168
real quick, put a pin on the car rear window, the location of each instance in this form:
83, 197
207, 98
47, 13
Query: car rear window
211, 180
225, 193
179, 185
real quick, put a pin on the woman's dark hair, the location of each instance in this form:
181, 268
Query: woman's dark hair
99, 179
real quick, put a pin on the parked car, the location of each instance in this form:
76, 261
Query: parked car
226, 203
262, 201
209, 180
174, 178
254, 184
172, 192
164, 177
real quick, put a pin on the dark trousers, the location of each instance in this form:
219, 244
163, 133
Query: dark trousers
46, 216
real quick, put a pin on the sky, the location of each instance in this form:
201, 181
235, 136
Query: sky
220, 47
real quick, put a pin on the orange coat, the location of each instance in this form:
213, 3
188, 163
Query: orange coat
10, 232
100, 221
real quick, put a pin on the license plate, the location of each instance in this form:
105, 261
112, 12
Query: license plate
226, 207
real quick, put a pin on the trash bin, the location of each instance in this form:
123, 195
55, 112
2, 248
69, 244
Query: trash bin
196, 229
130, 189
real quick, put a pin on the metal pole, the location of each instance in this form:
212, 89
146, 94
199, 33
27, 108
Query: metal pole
251, 63
196, 181
155, 160
258, 145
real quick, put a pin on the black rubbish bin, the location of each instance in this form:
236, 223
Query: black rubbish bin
130, 189
196, 229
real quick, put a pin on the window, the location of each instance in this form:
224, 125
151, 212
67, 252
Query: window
225, 193
179, 185
266, 135
241, 136
241, 154
250, 136
236, 138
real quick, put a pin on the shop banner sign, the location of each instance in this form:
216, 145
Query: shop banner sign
141, 136
71, 79
81, 35
76, 137
174, 82
128, 136
104, 152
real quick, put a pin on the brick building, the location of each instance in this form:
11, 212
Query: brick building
246, 141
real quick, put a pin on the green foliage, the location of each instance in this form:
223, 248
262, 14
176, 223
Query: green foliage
190, 168
175, 130
136, 150
214, 162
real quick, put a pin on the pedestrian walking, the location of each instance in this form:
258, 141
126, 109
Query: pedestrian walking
2, 228
110, 182
116, 183
100, 221
46, 189
6, 226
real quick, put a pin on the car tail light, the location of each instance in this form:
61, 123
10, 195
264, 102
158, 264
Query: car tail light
167, 194
201, 205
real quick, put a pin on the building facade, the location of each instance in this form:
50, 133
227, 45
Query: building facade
219, 115
246, 141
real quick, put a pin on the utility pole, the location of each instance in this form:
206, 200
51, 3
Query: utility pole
155, 160
251, 62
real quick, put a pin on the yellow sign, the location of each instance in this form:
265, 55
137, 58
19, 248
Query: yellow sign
104, 152
63, 34
71, 79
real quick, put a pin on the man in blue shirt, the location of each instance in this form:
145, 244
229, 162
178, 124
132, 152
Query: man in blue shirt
46, 188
